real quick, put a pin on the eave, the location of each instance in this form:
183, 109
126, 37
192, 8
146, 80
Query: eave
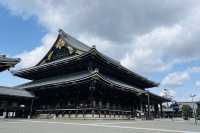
25, 73
159, 98
76, 79
6, 63
14, 92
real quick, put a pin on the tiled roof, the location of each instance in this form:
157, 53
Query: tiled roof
77, 77
8, 91
6, 63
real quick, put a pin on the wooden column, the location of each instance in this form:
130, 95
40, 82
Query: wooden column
161, 110
156, 110
92, 88
141, 106
148, 101
133, 111
31, 108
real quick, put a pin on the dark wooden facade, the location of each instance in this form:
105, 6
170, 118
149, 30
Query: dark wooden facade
74, 80
15, 103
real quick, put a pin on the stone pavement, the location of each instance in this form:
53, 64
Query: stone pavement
98, 126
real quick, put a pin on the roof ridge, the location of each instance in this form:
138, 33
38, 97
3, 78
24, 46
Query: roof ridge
69, 37
69, 40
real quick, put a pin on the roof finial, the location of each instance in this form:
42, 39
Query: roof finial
60, 31
94, 46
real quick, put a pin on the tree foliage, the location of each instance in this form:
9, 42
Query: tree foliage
186, 111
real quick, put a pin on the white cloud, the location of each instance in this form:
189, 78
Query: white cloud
155, 34
31, 58
194, 69
149, 51
178, 79
146, 36
175, 79
168, 94
49, 14
102, 44
164, 47
197, 84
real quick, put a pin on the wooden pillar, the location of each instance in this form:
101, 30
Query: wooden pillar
83, 113
148, 101
6, 113
99, 113
156, 110
93, 112
63, 114
145, 108
133, 111
69, 113
161, 110
141, 106
92, 88
76, 113
31, 108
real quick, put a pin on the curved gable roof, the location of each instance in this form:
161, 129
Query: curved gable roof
68, 41
86, 51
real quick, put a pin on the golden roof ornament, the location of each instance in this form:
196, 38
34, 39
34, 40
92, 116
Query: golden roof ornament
60, 44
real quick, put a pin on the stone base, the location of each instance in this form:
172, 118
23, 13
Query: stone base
83, 116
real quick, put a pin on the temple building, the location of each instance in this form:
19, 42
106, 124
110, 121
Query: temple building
74, 80
7, 63
13, 102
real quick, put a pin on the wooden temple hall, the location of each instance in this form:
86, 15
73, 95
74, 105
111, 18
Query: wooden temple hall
74, 80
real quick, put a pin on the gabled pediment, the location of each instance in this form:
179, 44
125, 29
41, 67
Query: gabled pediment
65, 46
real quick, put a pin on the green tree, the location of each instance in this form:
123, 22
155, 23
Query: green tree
186, 111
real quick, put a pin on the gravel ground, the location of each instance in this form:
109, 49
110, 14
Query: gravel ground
97, 126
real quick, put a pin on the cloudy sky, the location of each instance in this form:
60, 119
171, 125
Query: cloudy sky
159, 39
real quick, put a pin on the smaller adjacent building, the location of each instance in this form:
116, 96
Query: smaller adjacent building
193, 105
7, 63
175, 109
13, 102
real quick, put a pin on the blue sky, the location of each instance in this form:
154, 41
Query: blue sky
17, 35
159, 42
